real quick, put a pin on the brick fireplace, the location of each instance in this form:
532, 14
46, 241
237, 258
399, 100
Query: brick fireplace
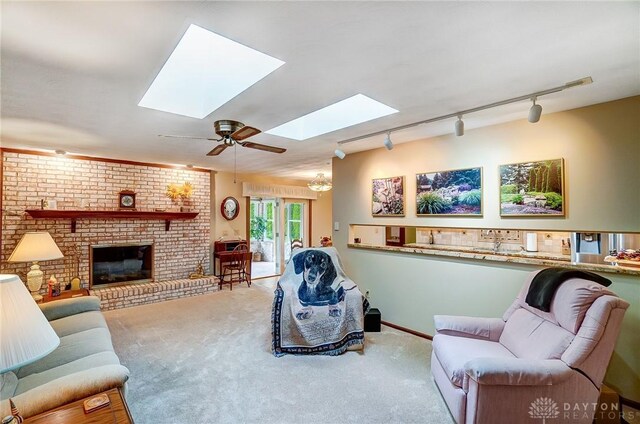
80, 183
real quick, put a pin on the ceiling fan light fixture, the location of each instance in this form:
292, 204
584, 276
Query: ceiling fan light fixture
320, 183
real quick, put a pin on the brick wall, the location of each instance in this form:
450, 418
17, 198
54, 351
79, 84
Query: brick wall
73, 183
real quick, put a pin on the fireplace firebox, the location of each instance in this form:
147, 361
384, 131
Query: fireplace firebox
120, 264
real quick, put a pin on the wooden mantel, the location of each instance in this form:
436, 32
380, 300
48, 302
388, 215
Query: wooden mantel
74, 215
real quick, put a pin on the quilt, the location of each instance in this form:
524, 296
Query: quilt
317, 309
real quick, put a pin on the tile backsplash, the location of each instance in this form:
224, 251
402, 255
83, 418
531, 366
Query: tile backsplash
548, 241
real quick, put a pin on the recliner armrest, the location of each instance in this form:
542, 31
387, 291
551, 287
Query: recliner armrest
517, 371
66, 307
471, 327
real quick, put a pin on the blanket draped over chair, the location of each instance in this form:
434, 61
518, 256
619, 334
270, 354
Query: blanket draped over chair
317, 309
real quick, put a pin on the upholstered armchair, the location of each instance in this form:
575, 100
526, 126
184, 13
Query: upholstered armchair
529, 364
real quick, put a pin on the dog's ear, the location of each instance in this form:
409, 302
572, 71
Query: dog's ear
298, 262
330, 274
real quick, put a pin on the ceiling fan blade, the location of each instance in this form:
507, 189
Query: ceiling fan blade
263, 147
187, 136
244, 133
217, 150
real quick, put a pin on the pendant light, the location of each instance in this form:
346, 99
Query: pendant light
320, 183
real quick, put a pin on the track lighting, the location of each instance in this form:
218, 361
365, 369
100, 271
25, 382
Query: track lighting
535, 111
387, 141
459, 126
340, 154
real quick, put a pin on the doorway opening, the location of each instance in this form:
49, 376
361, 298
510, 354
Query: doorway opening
274, 224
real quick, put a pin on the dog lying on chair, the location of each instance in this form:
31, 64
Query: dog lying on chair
316, 289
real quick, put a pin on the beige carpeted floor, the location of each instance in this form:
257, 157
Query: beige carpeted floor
207, 359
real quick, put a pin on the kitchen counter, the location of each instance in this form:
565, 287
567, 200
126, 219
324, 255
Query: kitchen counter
529, 258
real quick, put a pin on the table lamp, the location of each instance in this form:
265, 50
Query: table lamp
35, 247
25, 332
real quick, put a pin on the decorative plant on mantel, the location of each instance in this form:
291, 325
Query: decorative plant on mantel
180, 193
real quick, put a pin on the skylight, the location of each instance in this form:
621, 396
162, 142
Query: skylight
345, 113
205, 71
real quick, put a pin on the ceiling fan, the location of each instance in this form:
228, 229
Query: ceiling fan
232, 133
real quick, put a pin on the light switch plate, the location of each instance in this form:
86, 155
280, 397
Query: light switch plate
336, 226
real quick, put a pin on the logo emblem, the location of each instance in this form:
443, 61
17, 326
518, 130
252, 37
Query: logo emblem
543, 408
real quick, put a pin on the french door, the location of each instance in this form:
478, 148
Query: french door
274, 224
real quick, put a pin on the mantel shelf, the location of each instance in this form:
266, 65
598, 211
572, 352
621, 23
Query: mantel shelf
74, 215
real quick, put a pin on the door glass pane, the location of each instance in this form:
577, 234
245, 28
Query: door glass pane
262, 237
294, 224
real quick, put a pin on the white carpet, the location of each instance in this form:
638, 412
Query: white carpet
207, 359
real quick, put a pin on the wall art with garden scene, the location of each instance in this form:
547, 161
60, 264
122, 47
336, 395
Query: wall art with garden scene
532, 188
388, 196
457, 192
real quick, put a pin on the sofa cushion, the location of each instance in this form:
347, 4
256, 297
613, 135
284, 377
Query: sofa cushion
78, 323
454, 352
527, 335
72, 347
85, 363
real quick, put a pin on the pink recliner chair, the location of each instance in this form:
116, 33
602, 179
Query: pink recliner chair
530, 364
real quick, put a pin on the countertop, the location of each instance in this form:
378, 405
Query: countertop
529, 258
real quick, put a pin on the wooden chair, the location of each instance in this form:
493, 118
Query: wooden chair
235, 270
296, 243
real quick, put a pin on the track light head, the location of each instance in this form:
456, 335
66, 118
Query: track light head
340, 154
459, 126
387, 141
535, 112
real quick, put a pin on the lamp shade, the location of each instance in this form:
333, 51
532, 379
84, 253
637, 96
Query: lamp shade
36, 246
25, 332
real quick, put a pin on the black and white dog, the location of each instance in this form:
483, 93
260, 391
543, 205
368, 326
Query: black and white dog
318, 274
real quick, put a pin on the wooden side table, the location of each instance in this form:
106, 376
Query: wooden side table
116, 412
67, 294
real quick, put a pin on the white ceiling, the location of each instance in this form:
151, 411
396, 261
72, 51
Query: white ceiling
74, 72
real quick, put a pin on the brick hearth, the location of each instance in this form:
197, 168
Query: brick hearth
143, 293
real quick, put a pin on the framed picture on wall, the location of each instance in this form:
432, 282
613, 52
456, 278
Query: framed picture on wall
387, 197
532, 188
449, 193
